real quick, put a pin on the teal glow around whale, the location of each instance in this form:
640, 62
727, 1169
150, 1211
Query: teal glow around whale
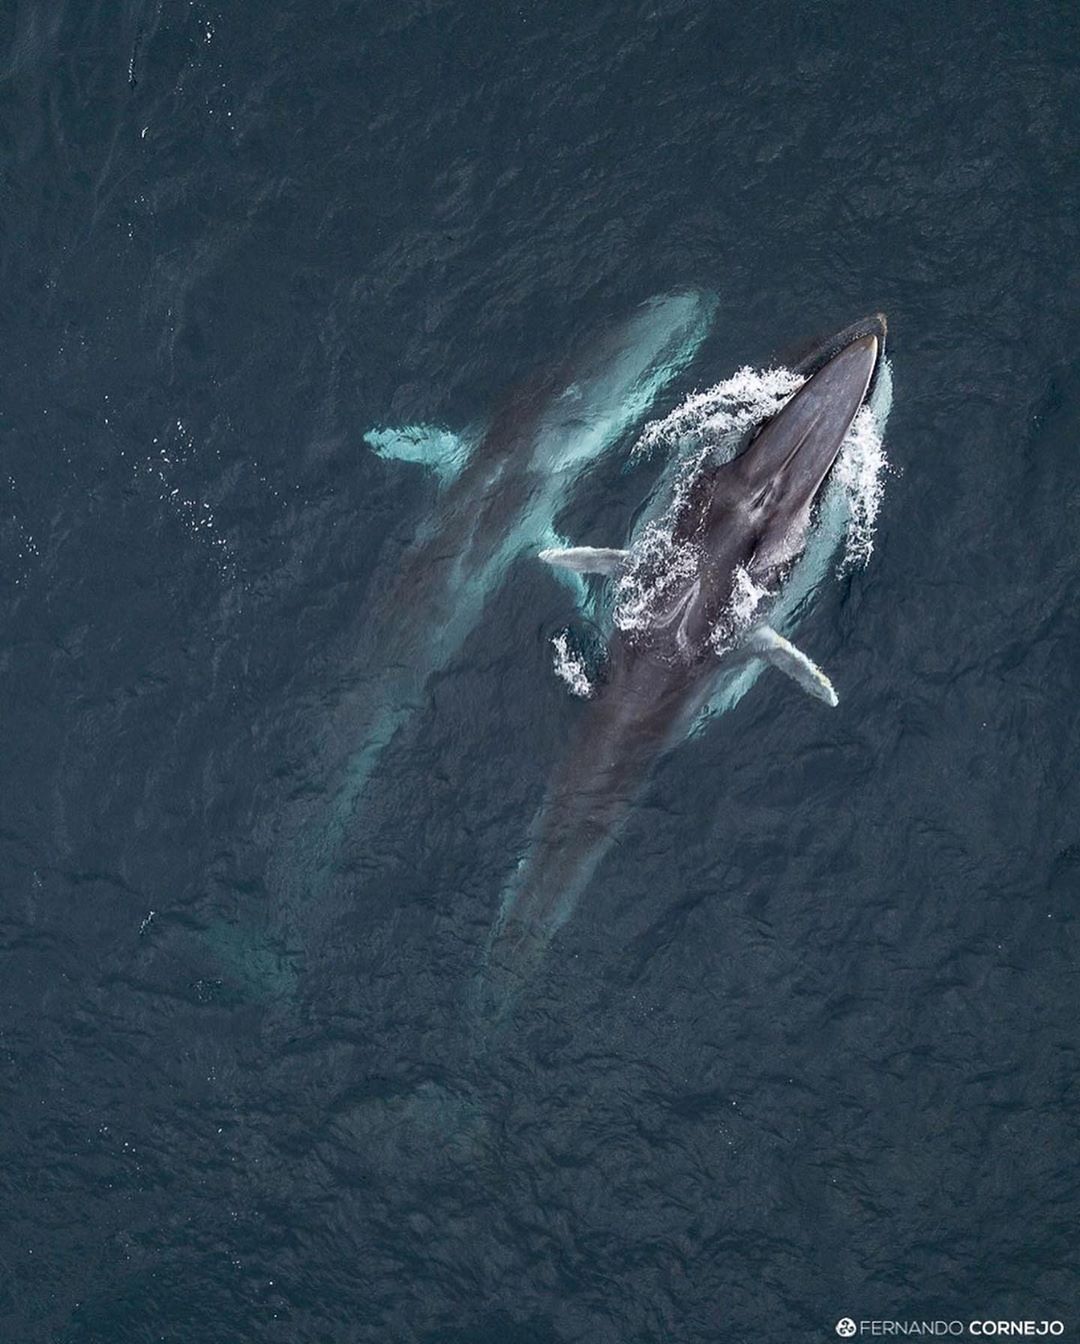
501, 490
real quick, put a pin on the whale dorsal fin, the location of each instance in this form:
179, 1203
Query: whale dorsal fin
774, 648
587, 559
431, 445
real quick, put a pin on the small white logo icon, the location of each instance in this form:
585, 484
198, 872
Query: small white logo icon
845, 1327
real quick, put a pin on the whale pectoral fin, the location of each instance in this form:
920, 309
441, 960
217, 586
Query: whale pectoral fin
430, 445
587, 559
765, 643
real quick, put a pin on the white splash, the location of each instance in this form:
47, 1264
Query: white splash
167, 466
746, 598
710, 425
721, 413
570, 666
860, 470
16, 538
658, 566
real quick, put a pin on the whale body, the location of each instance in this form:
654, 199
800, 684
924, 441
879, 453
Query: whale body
703, 597
500, 492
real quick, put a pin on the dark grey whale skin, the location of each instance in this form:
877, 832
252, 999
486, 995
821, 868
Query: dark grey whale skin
752, 512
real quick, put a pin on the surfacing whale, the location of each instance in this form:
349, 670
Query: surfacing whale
694, 604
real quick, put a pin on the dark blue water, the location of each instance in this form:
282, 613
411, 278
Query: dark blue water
807, 1047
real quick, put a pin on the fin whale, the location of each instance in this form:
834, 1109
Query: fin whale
707, 602
501, 490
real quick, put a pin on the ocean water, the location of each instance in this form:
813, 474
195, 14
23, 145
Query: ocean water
807, 1048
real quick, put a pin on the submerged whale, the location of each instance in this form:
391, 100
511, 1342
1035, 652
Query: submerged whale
500, 492
703, 597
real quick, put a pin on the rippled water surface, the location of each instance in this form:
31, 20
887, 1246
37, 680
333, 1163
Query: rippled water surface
807, 1047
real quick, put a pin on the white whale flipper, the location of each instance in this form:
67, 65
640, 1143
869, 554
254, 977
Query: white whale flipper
587, 559
765, 643
430, 445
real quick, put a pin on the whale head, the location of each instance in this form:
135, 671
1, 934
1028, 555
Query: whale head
743, 524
